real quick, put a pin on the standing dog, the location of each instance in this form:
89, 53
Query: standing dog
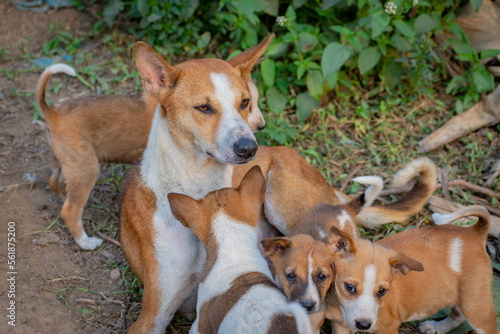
88, 130
236, 293
380, 285
198, 132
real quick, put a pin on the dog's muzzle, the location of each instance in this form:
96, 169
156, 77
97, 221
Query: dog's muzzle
245, 148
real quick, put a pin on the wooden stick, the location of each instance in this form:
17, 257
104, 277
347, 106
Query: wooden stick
349, 178
444, 182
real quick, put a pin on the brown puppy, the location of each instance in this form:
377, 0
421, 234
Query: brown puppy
88, 130
236, 293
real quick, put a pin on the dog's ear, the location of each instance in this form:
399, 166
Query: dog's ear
246, 60
157, 75
402, 264
252, 188
341, 243
275, 246
185, 209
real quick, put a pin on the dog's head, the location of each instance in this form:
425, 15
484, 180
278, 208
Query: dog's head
205, 102
364, 273
304, 267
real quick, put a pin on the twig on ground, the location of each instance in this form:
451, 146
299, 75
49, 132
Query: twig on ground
104, 236
444, 183
119, 302
348, 179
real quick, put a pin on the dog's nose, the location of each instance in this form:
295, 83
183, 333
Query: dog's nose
363, 324
245, 148
261, 127
308, 305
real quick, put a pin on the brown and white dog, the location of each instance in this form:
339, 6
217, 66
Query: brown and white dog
198, 132
380, 285
302, 262
236, 293
88, 130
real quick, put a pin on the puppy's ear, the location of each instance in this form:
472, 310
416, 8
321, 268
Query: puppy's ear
275, 246
246, 60
341, 243
157, 75
252, 188
185, 209
402, 264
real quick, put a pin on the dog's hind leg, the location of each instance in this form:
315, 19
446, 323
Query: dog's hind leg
80, 174
449, 323
56, 181
476, 303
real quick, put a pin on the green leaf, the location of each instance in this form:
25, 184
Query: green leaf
490, 53
112, 9
483, 80
380, 21
272, 7
368, 58
277, 49
391, 73
290, 14
342, 30
401, 43
268, 71
301, 69
328, 4
314, 82
404, 28
460, 47
334, 56
298, 3
142, 7
204, 39
305, 105
476, 4
424, 23
276, 100
307, 41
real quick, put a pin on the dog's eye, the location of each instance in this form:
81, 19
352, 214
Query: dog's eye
245, 103
321, 277
381, 292
290, 277
204, 108
350, 288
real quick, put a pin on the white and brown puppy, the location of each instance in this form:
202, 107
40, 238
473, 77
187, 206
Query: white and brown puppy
198, 132
380, 285
88, 130
236, 293
302, 262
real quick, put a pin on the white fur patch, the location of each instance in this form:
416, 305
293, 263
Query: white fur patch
61, 68
376, 186
364, 307
312, 293
322, 233
89, 243
442, 326
440, 219
343, 219
456, 255
232, 127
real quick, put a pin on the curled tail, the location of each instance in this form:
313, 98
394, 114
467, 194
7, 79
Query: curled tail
482, 226
46, 111
301, 318
411, 203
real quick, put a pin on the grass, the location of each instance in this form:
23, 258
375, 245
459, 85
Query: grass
358, 128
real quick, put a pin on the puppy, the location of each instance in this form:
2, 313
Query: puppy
236, 293
199, 131
380, 285
88, 130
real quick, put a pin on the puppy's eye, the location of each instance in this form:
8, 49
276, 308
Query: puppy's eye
350, 288
321, 277
291, 277
204, 108
382, 292
245, 103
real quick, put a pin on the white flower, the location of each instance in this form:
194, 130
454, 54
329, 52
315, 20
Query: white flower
390, 8
415, 3
281, 20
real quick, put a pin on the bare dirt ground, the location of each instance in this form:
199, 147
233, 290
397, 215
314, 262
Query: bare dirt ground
58, 287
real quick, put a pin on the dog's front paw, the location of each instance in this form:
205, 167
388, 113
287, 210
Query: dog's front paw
429, 327
89, 243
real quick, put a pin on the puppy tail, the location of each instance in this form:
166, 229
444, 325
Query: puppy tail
482, 226
408, 205
47, 112
301, 318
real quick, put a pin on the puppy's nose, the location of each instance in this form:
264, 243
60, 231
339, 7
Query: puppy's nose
262, 126
245, 148
363, 324
308, 305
